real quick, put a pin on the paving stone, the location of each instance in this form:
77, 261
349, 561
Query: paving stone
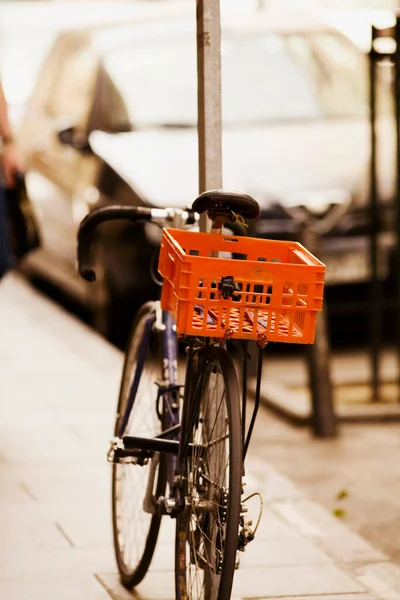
260, 553
164, 556
55, 516
324, 597
295, 581
29, 530
116, 590
351, 548
268, 482
62, 328
38, 444
310, 518
96, 439
59, 512
88, 529
38, 343
61, 364
63, 562
273, 527
51, 588
382, 579
84, 394
13, 492
155, 586
167, 531
17, 403
78, 338
38, 417
278, 552
72, 481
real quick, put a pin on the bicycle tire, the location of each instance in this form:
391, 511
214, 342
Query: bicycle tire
206, 542
143, 361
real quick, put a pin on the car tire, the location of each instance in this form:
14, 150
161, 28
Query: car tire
99, 295
111, 312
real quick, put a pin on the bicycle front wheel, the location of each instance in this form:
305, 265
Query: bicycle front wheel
135, 528
211, 470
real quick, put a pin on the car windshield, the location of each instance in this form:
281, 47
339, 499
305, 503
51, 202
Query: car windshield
264, 78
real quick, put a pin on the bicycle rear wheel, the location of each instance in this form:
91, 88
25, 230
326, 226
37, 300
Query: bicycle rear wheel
211, 469
135, 530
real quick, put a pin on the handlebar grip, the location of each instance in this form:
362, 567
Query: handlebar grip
89, 224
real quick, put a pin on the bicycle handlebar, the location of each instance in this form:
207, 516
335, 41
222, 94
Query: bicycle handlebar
185, 217
89, 224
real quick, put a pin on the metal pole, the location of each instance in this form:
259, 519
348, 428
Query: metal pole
323, 418
324, 422
375, 291
397, 201
209, 98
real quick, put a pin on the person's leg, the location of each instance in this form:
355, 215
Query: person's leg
5, 251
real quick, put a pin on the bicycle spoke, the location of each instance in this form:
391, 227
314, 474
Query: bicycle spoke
208, 477
136, 531
197, 566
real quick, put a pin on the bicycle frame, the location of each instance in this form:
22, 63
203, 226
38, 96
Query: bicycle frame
168, 441
171, 399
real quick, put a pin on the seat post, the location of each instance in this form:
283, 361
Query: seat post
217, 223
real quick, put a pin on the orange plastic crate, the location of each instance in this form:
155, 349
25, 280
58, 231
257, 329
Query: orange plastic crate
279, 287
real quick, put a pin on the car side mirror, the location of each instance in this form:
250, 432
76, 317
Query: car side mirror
70, 136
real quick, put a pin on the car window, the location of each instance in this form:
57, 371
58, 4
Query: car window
340, 75
265, 77
157, 82
72, 91
108, 112
259, 75
261, 80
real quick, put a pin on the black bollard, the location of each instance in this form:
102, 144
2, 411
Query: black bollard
324, 422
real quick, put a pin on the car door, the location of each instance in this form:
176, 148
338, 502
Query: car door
62, 98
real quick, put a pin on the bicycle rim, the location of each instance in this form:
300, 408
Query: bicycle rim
207, 531
136, 531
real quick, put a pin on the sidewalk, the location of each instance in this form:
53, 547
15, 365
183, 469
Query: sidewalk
58, 386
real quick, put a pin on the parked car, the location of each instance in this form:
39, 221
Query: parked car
112, 119
29, 29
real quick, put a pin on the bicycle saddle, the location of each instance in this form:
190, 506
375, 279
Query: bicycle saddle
241, 204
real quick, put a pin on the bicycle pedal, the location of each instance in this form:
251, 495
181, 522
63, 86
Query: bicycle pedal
119, 454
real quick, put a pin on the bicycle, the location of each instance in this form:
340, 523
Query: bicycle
183, 446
